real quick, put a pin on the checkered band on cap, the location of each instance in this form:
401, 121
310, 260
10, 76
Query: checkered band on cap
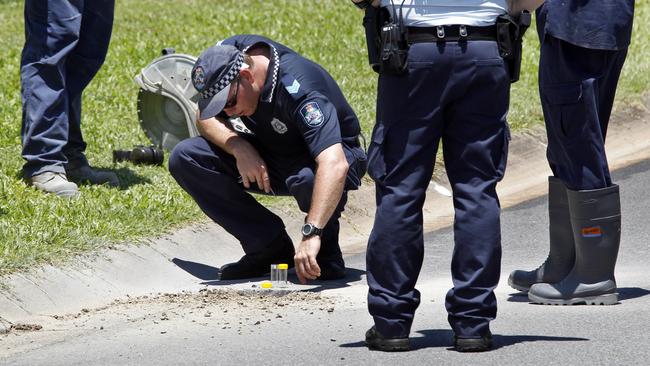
226, 79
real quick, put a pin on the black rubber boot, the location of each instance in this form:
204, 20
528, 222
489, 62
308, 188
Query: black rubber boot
376, 341
561, 256
481, 344
281, 250
596, 219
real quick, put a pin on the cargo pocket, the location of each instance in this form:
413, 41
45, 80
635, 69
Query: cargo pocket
566, 110
376, 158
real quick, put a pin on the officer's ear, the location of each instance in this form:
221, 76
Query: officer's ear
247, 74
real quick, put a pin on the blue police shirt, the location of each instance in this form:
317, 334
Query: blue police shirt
596, 24
301, 108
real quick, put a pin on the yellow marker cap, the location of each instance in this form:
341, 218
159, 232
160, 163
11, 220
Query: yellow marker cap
283, 266
266, 284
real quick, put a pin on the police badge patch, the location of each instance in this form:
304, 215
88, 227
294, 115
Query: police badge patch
279, 126
198, 78
312, 114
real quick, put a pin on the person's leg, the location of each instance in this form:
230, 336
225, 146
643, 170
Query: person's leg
210, 176
51, 34
400, 160
577, 88
475, 147
83, 64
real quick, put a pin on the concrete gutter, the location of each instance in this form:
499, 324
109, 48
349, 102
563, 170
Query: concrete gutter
97, 279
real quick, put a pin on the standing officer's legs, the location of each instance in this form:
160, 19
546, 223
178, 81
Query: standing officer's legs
210, 176
51, 34
475, 147
577, 88
400, 161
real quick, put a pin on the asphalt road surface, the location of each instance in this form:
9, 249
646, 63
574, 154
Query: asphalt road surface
220, 326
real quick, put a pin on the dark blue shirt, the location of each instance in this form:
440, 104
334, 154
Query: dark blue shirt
301, 108
596, 24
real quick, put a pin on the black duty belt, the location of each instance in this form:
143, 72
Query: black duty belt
450, 33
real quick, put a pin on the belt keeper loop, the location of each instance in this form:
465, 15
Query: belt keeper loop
440, 32
462, 31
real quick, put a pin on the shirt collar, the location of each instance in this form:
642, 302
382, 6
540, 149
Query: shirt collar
272, 72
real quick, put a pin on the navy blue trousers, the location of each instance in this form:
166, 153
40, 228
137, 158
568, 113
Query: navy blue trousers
457, 93
210, 176
65, 45
577, 87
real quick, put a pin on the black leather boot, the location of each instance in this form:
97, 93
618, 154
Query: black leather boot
596, 219
481, 344
252, 265
376, 341
561, 256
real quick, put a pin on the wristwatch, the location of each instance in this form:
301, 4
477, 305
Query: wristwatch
309, 230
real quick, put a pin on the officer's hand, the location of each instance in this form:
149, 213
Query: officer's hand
305, 259
251, 167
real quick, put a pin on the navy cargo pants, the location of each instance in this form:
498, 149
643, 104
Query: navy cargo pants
457, 92
577, 87
210, 176
65, 45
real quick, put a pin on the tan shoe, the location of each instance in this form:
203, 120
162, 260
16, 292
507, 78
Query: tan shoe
87, 174
56, 183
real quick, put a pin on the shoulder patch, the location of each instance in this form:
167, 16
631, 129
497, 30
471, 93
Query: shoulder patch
312, 114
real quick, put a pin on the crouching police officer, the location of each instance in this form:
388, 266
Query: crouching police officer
290, 132
583, 47
442, 77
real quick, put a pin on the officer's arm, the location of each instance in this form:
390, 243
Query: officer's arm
516, 6
219, 134
331, 171
250, 164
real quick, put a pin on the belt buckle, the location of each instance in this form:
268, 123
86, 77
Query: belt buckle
440, 32
462, 31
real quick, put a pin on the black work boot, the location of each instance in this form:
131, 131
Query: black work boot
376, 341
330, 258
258, 264
482, 344
561, 256
596, 219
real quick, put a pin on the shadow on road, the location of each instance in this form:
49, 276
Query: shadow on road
210, 275
198, 270
518, 297
627, 293
435, 338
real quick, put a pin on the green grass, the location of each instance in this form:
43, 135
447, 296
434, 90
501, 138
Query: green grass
35, 228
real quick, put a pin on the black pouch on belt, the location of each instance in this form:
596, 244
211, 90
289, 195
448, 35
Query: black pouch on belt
510, 35
394, 50
372, 21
